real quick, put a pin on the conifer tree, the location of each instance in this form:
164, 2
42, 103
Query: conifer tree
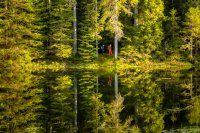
61, 28
87, 30
56, 21
192, 30
111, 11
18, 31
150, 25
172, 34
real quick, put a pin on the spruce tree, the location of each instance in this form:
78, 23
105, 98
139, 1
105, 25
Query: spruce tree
111, 10
150, 25
172, 30
18, 32
61, 28
55, 19
87, 13
192, 30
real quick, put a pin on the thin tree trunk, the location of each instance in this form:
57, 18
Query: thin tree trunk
116, 46
136, 15
6, 4
75, 29
6, 7
97, 91
75, 102
136, 20
49, 37
96, 29
196, 47
191, 41
116, 30
116, 84
191, 80
117, 96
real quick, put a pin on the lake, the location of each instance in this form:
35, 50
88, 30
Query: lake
97, 101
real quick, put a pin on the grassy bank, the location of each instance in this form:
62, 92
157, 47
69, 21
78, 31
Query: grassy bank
107, 64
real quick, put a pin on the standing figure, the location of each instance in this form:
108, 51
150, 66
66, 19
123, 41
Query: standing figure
110, 80
109, 50
102, 49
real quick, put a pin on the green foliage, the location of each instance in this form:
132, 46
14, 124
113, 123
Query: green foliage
194, 115
129, 54
56, 28
18, 31
110, 12
111, 119
146, 97
150, 25
20, 100
62, 51
15, 58
173, 39
87, 27
192, 30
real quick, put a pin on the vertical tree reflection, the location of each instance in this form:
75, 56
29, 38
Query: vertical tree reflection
19, 101
94, 114
143, 97
57, 114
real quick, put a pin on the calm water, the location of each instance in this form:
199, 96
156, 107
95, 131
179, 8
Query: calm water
86, 101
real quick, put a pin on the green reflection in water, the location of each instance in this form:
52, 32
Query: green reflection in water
76, 101
20, 99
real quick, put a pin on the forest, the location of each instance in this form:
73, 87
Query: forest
42, 31
127, 42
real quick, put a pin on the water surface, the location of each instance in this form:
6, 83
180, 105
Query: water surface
87, 101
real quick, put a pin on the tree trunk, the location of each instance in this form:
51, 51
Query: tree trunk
196, 47
96, 38
75, 102
136, 15
6, 4
116, 84
75, 29
49, 38
116, 30
136, 20
97, 110
6, 37
191, 80
191, 42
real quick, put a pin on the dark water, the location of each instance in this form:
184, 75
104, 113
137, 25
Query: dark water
105, 102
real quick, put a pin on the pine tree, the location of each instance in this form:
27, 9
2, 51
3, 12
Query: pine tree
87, 30
172, 34
150, 25
111, 10
56, 21
18, 32
192, 30
61, 28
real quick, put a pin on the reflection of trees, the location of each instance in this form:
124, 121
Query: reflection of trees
19, 101
94, 114
182, 101
144, 96
86, 108
111, 122
194, 114
57, 112
191, 94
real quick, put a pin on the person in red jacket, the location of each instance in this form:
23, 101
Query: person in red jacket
109, 50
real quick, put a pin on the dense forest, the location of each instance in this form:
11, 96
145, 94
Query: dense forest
64, 30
